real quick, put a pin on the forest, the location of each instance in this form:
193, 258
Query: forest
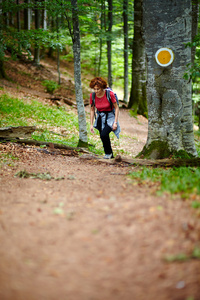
74, 225
113, 39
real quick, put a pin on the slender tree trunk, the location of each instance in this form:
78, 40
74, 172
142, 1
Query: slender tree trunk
138, 98
18, 24
77, 75
125, 18
37, 26
170, 125
58, 53
100, 56
58, 64
2, 70
109, 43
102, 21
27, 16
6, 19
18, 17
44, 16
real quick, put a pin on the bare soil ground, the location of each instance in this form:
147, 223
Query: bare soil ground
92, 234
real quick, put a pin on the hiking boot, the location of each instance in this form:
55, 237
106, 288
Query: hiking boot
108, 156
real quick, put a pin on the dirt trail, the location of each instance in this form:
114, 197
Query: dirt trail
93, 235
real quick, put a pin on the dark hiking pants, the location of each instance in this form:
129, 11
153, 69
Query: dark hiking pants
104, 135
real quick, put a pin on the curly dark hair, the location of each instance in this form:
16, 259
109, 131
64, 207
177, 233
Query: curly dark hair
99, 81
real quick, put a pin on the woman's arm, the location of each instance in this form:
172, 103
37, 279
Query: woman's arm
92, 111
116, 115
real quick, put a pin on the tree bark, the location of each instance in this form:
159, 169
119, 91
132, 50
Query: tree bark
37, 26
100, 37
48, 144
17, 132
27, 16
18, 17
195, 18
2, 69
169, 95
138, 97
77, 76
125, 18
58, 53
44, 16
178, 162
195, 162
109, 43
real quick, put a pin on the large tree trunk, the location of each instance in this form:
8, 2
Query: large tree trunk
138, 97
169, 95
77, 76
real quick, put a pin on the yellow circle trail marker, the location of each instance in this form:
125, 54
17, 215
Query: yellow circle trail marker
164, 57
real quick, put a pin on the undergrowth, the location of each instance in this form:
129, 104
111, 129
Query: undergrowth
50, 85
54, 124
197, 141
183, 181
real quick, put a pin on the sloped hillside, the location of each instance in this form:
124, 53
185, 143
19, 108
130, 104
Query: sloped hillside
27, 80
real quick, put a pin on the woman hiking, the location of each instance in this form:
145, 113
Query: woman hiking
107, 113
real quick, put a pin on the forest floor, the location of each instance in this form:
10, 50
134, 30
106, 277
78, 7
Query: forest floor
90, 233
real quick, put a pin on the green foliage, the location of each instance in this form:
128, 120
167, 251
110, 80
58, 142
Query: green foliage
133, 113
196, 253
193, 73
21, 42
197, 142
183, 180
182, 257
59, 33
196, 204
50, 85
91, 56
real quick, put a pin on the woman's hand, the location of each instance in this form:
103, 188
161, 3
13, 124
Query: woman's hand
116, 115
92, 118
114, 126
91, 128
